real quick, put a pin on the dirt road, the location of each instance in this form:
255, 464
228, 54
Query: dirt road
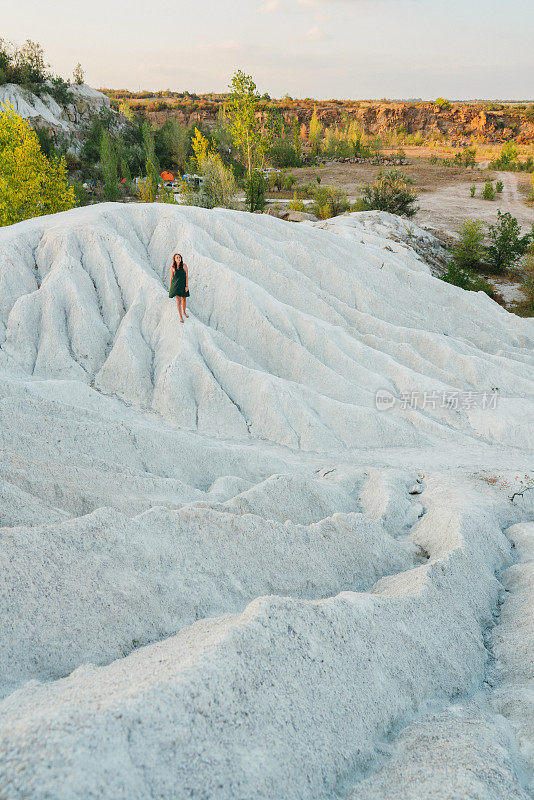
445, 209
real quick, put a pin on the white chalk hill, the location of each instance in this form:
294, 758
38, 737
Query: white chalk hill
223, 573
292, 330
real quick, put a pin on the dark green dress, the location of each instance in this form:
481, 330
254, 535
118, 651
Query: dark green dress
178, 284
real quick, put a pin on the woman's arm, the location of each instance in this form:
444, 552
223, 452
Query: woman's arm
186, 278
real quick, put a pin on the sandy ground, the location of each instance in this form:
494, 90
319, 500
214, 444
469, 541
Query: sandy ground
444, 198
444, 210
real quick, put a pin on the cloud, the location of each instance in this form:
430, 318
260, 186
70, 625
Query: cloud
269, 7
314, 34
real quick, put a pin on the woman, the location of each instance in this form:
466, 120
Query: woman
179, 283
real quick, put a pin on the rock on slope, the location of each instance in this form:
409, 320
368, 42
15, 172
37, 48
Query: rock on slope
223, 572
45, 112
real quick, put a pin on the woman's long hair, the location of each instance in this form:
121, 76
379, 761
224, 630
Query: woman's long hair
181, 264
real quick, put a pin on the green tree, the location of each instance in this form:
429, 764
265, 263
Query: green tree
109, 164
296, 139
469, 251
243, 117
218, 186
150, 186
507, 244
30, 184
126, 110
255, 191
391, 193
30, 63
315, 132
78, 74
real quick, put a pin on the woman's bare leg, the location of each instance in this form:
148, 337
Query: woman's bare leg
183, 302
178, 303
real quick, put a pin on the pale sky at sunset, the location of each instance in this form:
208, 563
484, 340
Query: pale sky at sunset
317, 48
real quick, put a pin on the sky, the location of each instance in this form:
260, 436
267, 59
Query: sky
326, 49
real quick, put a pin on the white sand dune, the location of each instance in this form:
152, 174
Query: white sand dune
225, 573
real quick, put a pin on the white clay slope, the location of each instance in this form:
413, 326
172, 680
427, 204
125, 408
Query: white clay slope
293, 329
223, 572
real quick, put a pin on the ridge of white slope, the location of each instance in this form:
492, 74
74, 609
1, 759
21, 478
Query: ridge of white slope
513, 645
235, 471
293, 329
282, 700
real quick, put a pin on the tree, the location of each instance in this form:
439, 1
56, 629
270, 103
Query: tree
30, 62
391, 193
150, 185
242, 113
315, 131
255, 191
78, 74
30, 184
296, 139
507, 245
126, 110
109, 164
218, 186
469, 251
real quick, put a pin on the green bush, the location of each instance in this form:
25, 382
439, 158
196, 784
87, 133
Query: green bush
329, 201
507, 244
468, 252
499, 186
464, 278
289, 182
282, 154
390, 193
472, 190
296, 204
255, 191
488, 192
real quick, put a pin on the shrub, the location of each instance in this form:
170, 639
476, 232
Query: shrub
464, 278
442, 103
296, 204
329, 201
433, 159
499, 186
282, 155
472, 190
59, 90
289, 182
488, 192
80, 193
468, 252
30, 184
507, 245
529, 282
390, 193
146, 189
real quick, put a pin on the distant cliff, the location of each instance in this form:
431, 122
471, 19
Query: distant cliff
457, 122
